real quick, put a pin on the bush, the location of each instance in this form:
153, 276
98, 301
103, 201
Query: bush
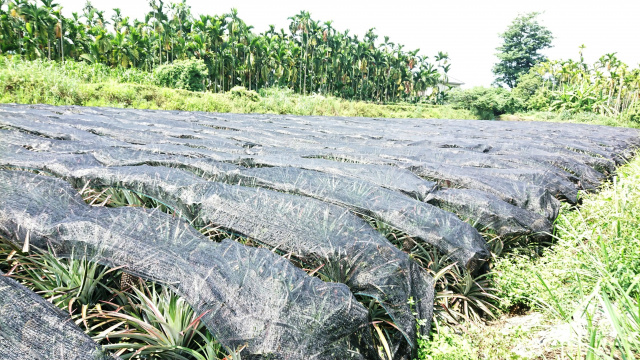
486, 103
183, 74
240, 92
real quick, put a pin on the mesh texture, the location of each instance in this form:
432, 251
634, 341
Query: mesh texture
300, 187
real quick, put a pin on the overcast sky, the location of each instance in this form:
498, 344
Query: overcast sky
467, 30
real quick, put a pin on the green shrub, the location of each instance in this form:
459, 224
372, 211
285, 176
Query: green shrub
183, 74
486, 103
445, 346
240, 92
531, 92
540, 100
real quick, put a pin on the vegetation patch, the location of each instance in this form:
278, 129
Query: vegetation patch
183, 74
219, 52
48, 82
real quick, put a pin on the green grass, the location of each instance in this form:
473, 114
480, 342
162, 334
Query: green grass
46, 82
570, 117
599, 242
79, 83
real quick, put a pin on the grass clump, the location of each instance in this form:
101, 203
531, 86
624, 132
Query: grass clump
446, 345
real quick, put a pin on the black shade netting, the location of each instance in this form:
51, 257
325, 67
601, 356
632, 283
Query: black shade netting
423, 221
317, 234
487, 211
417, 219
246, 295
547, 156
33, 328
505, 176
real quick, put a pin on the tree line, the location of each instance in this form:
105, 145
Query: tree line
309, 57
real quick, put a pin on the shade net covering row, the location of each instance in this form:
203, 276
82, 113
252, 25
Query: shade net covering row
245, 295
303, 186
315, 232
33, 328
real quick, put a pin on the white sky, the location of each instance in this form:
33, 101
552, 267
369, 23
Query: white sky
467, 30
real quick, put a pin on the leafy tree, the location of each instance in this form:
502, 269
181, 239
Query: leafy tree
531, 90
311, 58
523, 40
486, 103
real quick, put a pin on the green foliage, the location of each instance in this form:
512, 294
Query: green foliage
594, 264
570, 117
622, 306
604, 93
155, 323
581, 98
68, 284
460, 296
608, 87
183, 74
485, 103
531, 92
48, 82
312, 57
446, 345
239, 92
523, 40
592, 272
632, 114
80, 71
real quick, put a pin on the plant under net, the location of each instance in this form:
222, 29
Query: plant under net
229, 172
249, 296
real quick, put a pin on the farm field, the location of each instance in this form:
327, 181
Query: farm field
280, 235
194, 180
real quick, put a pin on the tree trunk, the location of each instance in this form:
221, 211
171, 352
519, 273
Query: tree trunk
619, 106
61, 43
306, 65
